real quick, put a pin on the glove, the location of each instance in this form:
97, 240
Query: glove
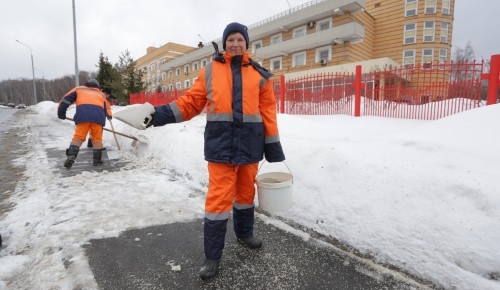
110, 117
148, 121
62, 117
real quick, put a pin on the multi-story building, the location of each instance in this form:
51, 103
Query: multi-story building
324, 36
150, 63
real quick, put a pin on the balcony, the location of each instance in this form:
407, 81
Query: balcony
303, 14
351, 32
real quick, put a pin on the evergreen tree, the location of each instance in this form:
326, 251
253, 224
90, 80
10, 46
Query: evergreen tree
131, 79
106, 74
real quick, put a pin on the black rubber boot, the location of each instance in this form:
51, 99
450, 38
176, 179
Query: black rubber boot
243, 220
97, 156
71, 152
214, 234
209, 269
251, 242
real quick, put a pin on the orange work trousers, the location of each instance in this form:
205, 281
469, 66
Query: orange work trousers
229, 183
82, 130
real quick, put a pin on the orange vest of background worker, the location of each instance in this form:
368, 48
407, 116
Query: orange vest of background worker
92, 109
241, 129
111, 100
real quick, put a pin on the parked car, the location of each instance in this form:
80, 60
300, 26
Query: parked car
21, 106
12, 105
3, 104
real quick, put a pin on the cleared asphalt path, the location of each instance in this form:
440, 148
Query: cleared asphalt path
148, 258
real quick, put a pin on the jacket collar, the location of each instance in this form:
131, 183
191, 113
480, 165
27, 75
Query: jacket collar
245, 57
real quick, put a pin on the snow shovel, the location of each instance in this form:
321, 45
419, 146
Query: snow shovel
121, 134
135, 115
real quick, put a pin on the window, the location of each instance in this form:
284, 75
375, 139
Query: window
430, 6
164, 88
152, 67
277, 38
187, 83
427, 57
323, 53
178, 85
178, 71
299, 32
444, 32
195, 65
275, 63
323, 24
186, 69
446, 7
204, 62
411, 8
429, 31
256, 45
170, 73
443, 57
409, 58
299, 59
163, 76
170, 87
410, 33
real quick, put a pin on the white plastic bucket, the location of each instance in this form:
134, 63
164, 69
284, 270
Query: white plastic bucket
275, 191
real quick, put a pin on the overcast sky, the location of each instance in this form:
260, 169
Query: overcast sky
113, 26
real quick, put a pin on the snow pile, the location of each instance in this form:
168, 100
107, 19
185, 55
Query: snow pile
420, 195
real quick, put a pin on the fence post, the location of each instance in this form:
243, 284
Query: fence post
493, 80
282, 94
357, 96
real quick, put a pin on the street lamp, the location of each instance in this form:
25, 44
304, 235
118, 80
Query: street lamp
43, 78
77, 74
32, 70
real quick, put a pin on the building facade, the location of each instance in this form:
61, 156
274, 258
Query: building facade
323, 36
150, 64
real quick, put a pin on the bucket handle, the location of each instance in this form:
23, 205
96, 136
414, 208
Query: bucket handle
282, 162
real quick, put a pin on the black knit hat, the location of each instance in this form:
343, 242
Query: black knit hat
92, 83
234, 27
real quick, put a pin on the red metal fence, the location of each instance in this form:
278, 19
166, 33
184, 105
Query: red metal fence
156, 98
429, 91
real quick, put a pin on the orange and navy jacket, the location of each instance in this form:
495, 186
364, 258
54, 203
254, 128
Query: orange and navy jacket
241, 111
91, 105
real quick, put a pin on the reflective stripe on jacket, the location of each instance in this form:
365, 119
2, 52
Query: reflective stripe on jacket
241, 112
91, 105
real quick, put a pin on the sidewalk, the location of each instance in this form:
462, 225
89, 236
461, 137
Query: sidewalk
146, 259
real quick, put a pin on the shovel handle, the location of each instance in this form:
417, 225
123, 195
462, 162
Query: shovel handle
114, 134
112, 131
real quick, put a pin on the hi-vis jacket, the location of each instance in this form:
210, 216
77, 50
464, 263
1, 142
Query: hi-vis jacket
91, 105
241, 113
